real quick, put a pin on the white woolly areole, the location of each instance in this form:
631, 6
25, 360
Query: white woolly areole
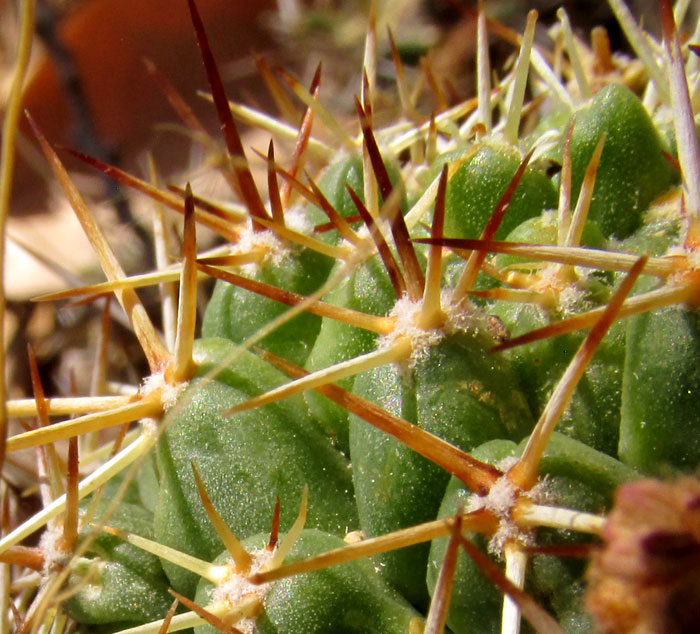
236, 587
275, 252
570, 298
55, 555
150, 426
407, 312
169, 392
296, 219
459, 316
507, 463
500, 501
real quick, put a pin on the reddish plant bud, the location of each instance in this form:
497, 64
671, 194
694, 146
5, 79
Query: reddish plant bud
646, 577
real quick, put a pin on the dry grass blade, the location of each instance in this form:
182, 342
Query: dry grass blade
7, 157
153, 348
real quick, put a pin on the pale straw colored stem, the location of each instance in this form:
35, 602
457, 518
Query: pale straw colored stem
7, 166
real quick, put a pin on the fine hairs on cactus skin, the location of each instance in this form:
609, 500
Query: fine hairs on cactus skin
459, 284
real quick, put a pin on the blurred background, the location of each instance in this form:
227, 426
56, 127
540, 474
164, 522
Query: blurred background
89, 90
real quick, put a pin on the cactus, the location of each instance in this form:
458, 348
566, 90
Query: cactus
434, 382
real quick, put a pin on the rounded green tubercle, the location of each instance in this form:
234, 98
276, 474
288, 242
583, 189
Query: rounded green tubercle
457, 392
660, 391
346, 171
478, 184
349, 598
543, 229
238, 314
120, 585
593, 415
369, 290
633, 170
575, 477
245, 461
